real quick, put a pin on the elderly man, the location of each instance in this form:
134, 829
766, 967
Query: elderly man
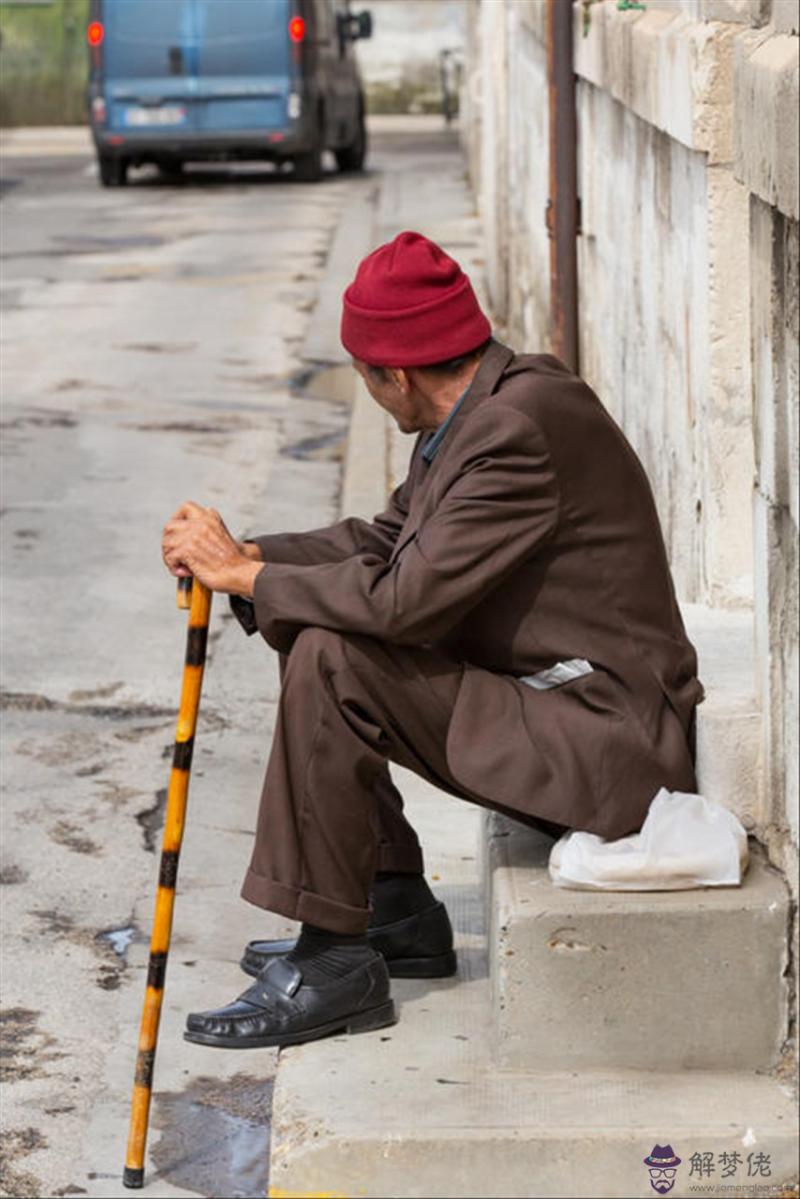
507, 628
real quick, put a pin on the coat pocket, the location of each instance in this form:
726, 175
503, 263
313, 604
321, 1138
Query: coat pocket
558, 675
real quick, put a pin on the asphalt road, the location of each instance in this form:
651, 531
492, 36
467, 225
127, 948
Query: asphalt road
159, 343
152, 344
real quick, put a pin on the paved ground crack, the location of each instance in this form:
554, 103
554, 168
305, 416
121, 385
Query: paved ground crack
151, 820
28, 701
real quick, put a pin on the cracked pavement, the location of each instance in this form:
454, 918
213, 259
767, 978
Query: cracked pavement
151, 349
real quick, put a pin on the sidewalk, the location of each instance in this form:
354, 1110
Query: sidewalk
45, 141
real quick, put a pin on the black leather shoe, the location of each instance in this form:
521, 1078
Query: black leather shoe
280, 1009
419, 946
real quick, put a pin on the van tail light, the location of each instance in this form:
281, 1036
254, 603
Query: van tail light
95, 33
297, 29
99, 110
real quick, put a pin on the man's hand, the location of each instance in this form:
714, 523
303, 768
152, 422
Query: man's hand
196, 542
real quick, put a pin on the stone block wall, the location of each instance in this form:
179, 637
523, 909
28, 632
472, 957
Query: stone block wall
528, 285
664, 320
687, 167
766, 93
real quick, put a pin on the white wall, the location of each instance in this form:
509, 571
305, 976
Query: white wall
643, 263
528, 248
688, 161
494, 152
775, 332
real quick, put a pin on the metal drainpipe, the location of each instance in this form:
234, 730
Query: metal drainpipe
562, 207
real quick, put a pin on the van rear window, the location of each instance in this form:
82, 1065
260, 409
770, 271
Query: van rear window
155, 38
244, 37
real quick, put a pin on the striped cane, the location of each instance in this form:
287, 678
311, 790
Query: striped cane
197, 598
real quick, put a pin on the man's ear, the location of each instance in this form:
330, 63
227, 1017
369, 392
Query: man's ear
421, 382
400, 378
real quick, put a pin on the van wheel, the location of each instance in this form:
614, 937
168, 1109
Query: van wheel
113, 170
308, 167
351, 158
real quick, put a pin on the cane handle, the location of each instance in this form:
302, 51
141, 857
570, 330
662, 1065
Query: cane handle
185, 592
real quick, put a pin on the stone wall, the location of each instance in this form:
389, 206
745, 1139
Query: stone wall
529, 289
656, 178
766, 160
687, 168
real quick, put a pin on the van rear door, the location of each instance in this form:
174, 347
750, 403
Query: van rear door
149, 65
244, 64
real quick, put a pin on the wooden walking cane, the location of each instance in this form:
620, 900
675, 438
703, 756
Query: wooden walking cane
197, 598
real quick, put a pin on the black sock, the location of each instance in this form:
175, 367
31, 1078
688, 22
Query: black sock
322, 955
395, 896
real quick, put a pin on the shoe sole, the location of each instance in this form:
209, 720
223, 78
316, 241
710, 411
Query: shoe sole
368, 1021
441, 965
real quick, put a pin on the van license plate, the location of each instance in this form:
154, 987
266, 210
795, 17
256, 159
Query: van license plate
167, 114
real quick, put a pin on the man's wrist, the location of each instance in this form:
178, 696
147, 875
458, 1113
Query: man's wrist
251, 550
246, 579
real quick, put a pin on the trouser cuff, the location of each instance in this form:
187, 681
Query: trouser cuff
306, 906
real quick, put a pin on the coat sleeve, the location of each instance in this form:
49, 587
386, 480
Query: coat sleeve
496, 511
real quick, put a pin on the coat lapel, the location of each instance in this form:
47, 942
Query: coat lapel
494, 362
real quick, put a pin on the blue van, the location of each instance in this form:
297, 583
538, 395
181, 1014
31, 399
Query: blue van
172, 81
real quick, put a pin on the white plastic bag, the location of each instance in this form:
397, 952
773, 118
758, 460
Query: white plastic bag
686, 841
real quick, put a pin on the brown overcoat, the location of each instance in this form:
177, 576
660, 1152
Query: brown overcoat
531, 538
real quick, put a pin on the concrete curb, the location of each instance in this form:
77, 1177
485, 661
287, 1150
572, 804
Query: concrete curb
351, 241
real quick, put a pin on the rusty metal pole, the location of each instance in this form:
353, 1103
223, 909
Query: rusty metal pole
562, 208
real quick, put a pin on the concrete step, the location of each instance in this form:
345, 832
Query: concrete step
673, 980
666, 980
479, 1132
422, 1108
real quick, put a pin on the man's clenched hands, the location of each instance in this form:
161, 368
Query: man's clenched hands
196, 542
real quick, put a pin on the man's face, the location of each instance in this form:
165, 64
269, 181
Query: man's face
392, 389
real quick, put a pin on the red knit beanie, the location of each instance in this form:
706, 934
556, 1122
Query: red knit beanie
410, 304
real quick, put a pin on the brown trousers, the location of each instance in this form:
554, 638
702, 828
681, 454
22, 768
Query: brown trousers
330, 816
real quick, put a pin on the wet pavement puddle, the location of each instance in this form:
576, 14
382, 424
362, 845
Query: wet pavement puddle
327, 447
119, 939
215, 1137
